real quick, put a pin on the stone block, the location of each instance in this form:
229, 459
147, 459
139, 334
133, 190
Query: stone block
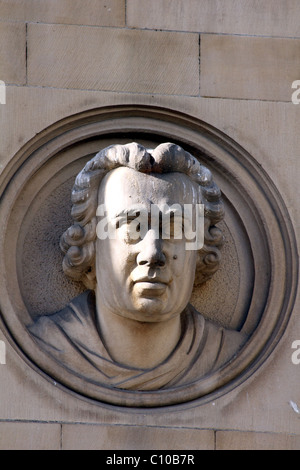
29, 436
268, 131
94, 12
254, 124
248, 68
113, 59
13, 53
216, 16
93, 437
234, 440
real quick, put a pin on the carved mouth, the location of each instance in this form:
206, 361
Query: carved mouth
151, 276
153, 280
152, 287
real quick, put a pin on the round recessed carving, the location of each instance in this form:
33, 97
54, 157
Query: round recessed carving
252, 292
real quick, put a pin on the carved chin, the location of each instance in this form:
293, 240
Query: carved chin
153, 309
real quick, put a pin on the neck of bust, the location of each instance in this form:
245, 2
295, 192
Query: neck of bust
132, 343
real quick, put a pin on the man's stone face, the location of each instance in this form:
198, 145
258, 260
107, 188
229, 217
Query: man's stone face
147, 277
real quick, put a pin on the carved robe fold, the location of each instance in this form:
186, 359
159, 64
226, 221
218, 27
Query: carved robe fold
71, 337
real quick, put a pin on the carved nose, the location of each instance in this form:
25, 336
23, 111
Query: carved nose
151, 253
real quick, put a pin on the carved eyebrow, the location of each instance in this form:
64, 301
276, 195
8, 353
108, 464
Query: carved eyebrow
129, 212
135, 211
127, 215
173, 212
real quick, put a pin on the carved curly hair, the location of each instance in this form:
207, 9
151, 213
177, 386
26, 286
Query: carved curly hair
78, 241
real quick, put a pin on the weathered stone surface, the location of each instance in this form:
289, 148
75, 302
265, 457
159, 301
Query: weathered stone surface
93, 12
85, 437
234, 440
248, 68
140, 330
13, 53
230, 411
249, 17
262, 405
113, 59
251, 123
29, 436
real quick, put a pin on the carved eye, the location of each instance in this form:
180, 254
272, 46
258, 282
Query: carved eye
172, 229
133, 230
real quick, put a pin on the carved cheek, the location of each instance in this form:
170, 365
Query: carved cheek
183, 262
123, 256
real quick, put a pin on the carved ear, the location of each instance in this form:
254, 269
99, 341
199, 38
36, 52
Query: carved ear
89, 278
208, 261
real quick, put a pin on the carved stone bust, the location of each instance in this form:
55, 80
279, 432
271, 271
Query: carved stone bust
134, 328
